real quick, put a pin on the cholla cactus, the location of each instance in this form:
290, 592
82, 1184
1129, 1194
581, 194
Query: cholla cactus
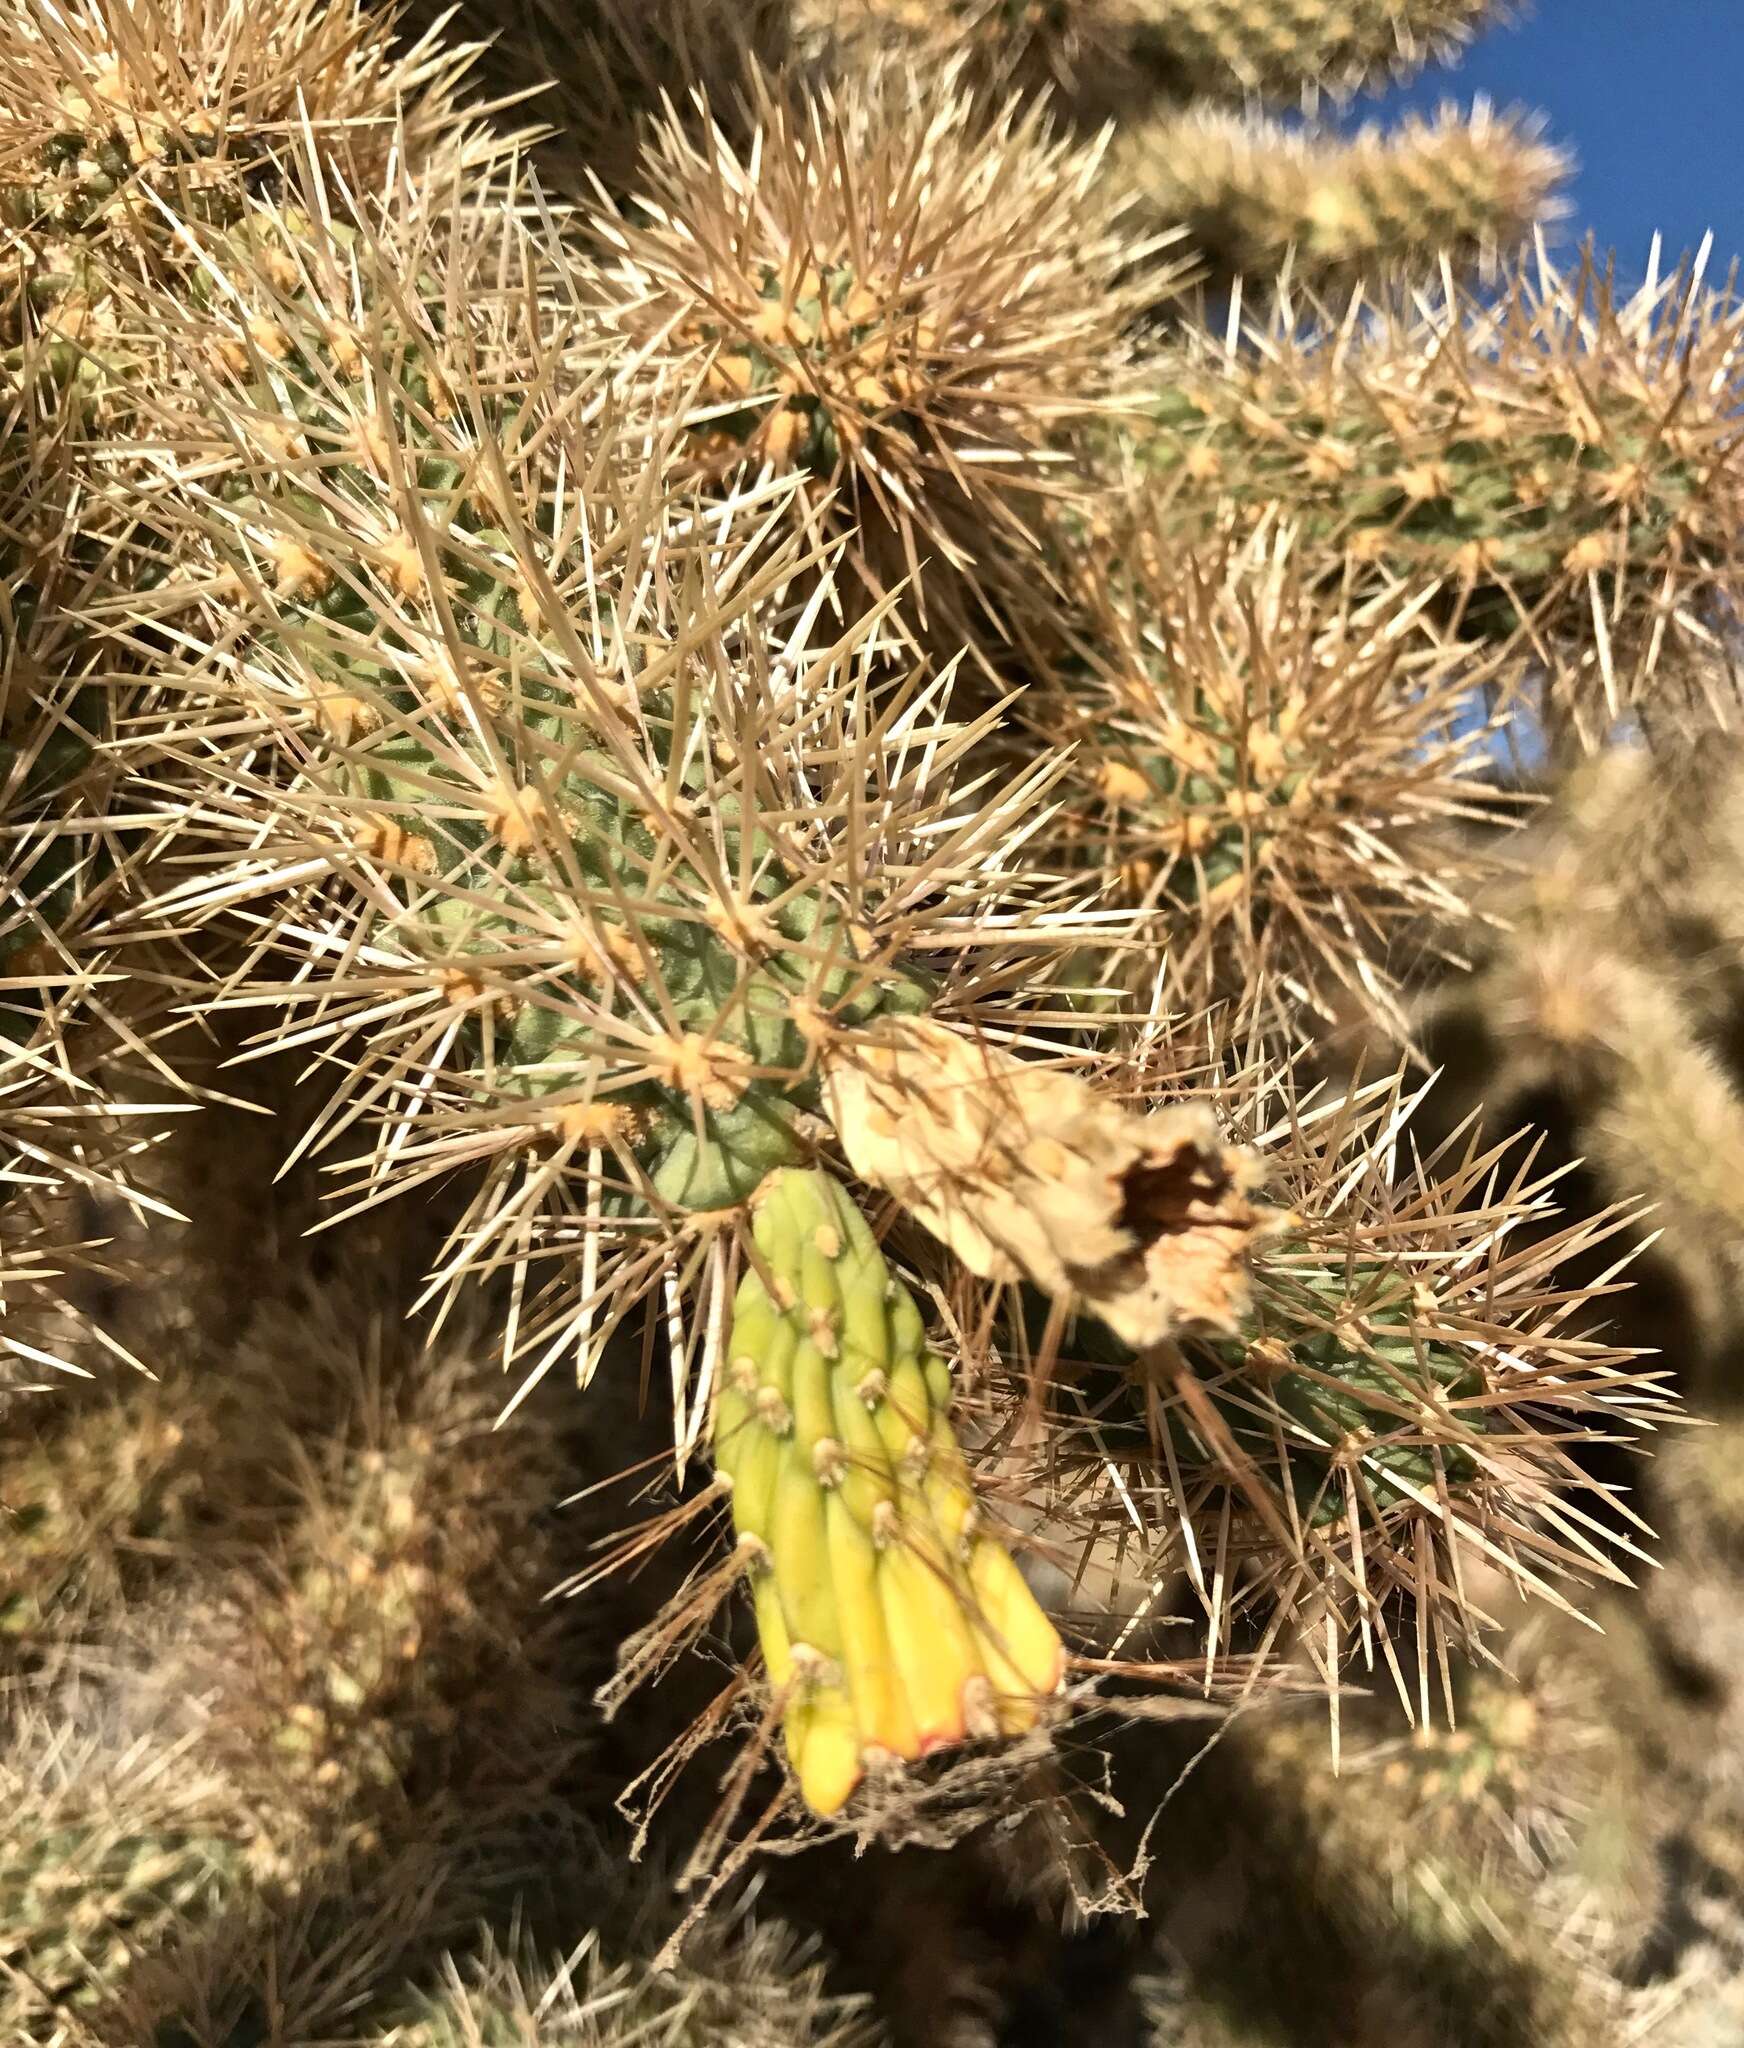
1101, 56
1287, 49
122, 128
102, 1858
1605, 996
1250, 194
1083, 57
522, 784
1256, 197
114, 114
1289, 784
903, 304
758, 1984
86, 1507
342, 1671
512, 658
1380, 1429
1565, 462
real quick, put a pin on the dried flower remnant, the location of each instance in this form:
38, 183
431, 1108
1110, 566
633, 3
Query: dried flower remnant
1026, 1172
1397, 1419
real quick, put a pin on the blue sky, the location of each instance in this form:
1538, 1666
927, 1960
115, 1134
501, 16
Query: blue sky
1649, 94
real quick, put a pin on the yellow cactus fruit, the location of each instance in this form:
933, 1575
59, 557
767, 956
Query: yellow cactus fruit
891, 1623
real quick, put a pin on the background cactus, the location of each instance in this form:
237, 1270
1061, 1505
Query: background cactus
1284, 784
103, 1860
595, 81
1550, 456
1247, 194
1255, 197
653, 745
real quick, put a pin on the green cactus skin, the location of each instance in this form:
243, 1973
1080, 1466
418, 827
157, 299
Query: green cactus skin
1334, 1402
1544, 451
697, 976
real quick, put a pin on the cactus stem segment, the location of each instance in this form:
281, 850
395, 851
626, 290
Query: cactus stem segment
896, 1625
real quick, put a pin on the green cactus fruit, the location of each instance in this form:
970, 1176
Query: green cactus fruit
891, 1624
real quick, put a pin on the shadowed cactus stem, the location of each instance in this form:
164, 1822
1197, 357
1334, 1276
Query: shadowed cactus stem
104, 1856
753, 1983
596, 78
